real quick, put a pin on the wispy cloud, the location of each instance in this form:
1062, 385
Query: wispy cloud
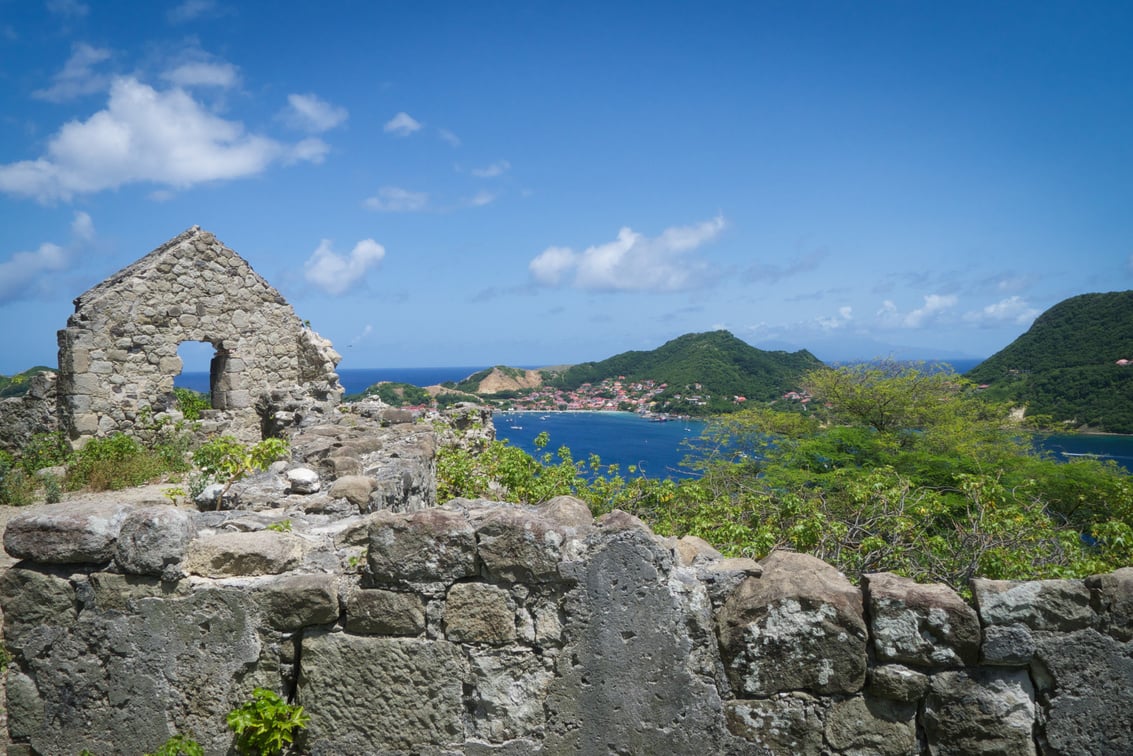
68, 8
935, 306
29, 274
1013, 310
777, 271
495, 169
191, 10
336, 274
313, 114
842, 318
145, 135
479, 199
402, 125
632, 262
449, 137
78, 77
202, 74
393, 199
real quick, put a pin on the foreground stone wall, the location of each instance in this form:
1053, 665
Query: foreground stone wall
484, 627
118, 353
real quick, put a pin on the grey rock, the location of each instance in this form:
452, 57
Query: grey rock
34, 603
66, 533
862, 726
292, 602
381, 695
262, 552
1060, 605
692, 550
787, 723
1007, 645
568, 511
799, 627
436, 545
380, 612
354, 488
152, 541
509, 686
1087, 680
896, 682
1114, 593
479, 613
303, 480
519, 545
980, 711
920, 625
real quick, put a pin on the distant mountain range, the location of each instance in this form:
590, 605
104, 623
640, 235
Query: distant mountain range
1075, 364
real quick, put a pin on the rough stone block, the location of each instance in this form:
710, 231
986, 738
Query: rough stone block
799, 627
66, 533
920, 625
980, 711
1058, 605
262, 552
897, 683
303, 480
878, 727
354, 488
1007, 646
1115, 598
292, 602
379, 612
479, 613
508, 690
788, 723
380, 695
518, 545
435, 545
152, 541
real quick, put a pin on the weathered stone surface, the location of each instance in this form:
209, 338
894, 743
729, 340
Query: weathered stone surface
66, 533
509, 686
1087, 679
303, 480
22, 417
1007, 646
262, 552
568, 511
799, 627
519, 545
1060, 605
636, 673
106, 591
152, 541
863, 726
980, 711
378, 612
377, 695
292, 602
436, 545
896, 682
920, 625
36, 604
691, 550
1114, 593
479, 613
787, 723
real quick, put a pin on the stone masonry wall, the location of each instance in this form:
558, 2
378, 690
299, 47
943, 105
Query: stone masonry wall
118, 353
484, 627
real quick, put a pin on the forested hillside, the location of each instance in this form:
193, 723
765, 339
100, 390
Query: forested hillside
17, 385
1067, 365
714, 364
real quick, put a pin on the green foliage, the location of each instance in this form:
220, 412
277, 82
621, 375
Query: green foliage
115, 462
266, 724
283, 526
52, 489
226, 460
17, 488
191, 403
721, 364
179, 745
397, 394
447, 399
44, 450
17, 385
1065, 367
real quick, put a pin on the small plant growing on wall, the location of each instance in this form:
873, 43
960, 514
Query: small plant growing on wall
266, 724
226, 460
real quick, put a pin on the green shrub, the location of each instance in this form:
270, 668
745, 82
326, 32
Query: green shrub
226, 460
179, 745
114, 462
16, 487
44, 450
266, 724
190, 402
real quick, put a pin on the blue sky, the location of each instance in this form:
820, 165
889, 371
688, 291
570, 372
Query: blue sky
535, 183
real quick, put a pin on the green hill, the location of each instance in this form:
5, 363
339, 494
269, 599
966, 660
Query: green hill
1066, 367
17, 385
703, 372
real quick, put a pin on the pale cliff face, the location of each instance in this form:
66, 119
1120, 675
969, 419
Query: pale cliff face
497, 381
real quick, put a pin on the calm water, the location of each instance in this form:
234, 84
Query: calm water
625, 439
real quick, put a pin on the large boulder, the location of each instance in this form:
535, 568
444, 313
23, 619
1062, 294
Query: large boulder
66, 533
1054, 605
152, 541
798, 627
920, 625
436, 545
980, 711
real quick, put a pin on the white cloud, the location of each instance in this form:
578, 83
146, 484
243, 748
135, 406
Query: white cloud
479, 199
392, 199
78, 77
28, 274
632, 261
68, 8
310, 113
335, 274
834, 322
1014, 310
144, 135
402, 125
449, 137
223, 75
493, 170
190, 10
935, 305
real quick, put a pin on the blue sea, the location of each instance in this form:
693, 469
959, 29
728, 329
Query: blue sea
625, 439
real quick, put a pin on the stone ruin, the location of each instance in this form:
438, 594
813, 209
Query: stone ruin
118, 353
484, 627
